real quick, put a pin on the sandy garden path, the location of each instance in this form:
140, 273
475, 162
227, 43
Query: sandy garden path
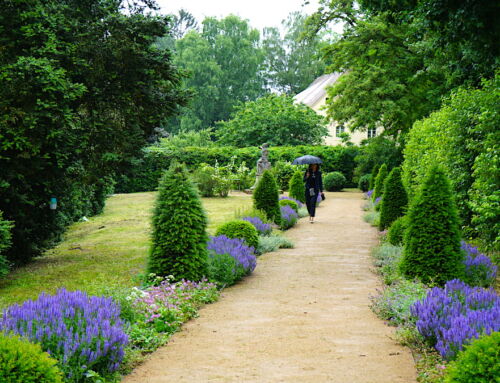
303, 316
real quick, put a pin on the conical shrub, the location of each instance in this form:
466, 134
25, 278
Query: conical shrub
296, 187
394, 199
432, 237
379, 182
373, 177
179, 243
266, 197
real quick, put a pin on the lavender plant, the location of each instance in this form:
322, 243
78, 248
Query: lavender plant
452, 316
479, 269
300, 204
289, 217
84, 333
262, 227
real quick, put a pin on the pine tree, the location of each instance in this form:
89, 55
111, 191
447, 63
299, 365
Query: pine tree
266, 197
432, 237
373, 177
379, 182
394, 199
296, 187
179, 243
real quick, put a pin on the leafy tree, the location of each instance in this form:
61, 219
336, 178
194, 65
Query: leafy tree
432, 237
274, 119
394, 200
379, 182
377, 151
179, 240
296, 188
291, 62
266, 197
82, 88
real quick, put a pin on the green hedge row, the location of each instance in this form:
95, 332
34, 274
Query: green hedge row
146, 171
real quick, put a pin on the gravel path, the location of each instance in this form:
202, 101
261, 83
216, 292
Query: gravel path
303, 316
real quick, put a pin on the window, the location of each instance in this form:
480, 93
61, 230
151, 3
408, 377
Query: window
372, 132
339, 129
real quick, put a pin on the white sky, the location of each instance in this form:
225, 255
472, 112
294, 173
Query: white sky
261, 13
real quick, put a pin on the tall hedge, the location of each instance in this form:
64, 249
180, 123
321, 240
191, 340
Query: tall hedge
179, 241
379, 182
296, 187
266, 197
148, 169
394, 199
463, 138
432, 237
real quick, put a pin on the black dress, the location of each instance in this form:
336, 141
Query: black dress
313, 186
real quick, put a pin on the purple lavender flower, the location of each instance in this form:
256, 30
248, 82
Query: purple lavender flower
236, 248
289, 217
299, 204
479, 269
369, 193
377, 201
82, 332
262, 228
452, 316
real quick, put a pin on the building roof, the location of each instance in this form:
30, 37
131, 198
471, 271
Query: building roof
317, 90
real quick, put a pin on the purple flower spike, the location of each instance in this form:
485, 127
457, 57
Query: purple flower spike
236, 248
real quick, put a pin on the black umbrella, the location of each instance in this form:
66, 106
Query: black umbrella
306, 160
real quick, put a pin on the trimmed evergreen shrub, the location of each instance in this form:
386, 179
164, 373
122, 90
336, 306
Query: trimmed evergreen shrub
379, 182
396, 232
266, 197
364, 183
25, 362
5, 242
296, 187
288, 202
239, 228
432, 238
179, 229
334, 181
373, 177
478, 362
394, 199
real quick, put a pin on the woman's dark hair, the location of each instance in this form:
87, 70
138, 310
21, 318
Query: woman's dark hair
311, 165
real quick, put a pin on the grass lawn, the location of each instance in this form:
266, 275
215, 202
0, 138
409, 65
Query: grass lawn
108, 251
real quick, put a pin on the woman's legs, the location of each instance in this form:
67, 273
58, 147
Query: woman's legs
311, 205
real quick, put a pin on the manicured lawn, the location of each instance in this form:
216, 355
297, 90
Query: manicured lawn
108, 251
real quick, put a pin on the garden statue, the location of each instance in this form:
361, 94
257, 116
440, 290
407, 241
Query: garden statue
262, 164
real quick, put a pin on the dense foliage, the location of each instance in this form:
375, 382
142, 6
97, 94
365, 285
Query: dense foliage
378, 190
452, 316
396, 231
24, 362
5, 243
373, 177
364, 182
394, 199
478, 363
432, 237
179, 229
81, 332
296, 187
463, 138
240, 229
266, 197
334, 181
274, 119
82, 87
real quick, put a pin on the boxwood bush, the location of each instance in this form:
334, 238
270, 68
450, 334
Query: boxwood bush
364, 183
266, 197
297, 189
239, 228
396, 231
25, 362
292, 204
334, 181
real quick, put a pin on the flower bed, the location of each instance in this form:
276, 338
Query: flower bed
289, 217
262, 227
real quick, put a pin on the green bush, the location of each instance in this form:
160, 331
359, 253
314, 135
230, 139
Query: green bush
396, 231
240, 229
224, 270
432, 238
379, 182
463, 138
266, 197
296, 188
283, 172
364, 182
394, 199
24, 362
373, 176
179, 240
5, 243
478, 362
292, 204
334, 181
204, 179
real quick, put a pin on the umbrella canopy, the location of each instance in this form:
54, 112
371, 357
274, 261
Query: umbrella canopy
306, 160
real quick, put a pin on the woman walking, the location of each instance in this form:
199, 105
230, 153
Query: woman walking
314, 186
